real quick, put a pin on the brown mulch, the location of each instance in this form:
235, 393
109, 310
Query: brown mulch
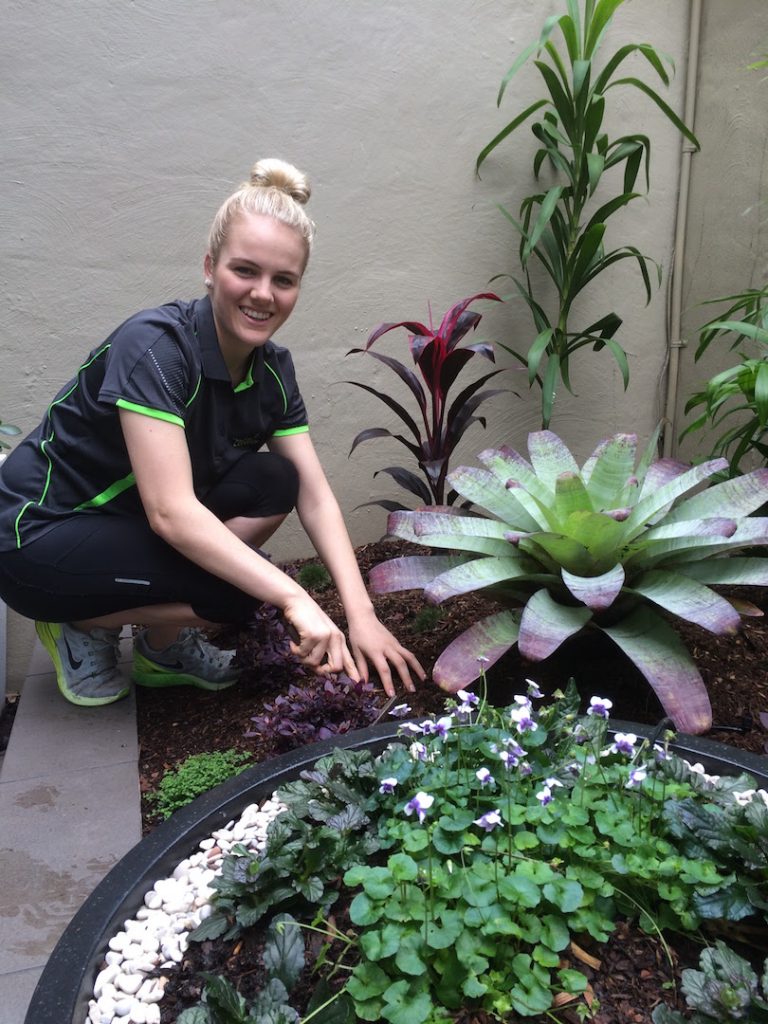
635, 972
176, 723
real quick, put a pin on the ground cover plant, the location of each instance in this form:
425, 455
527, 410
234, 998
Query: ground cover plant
195, 775
459, 870
608, 546
561, 231
440, 360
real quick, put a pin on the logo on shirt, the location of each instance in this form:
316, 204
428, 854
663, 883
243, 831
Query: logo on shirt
254, 441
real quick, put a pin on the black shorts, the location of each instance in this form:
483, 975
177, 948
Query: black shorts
94, 564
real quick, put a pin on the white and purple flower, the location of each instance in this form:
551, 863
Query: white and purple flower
484, 777
636, 776
388, 785
419, 805
599, 706
400, 710
533, 689
418, 751
521, 717
489, 821
508, 759
624, 743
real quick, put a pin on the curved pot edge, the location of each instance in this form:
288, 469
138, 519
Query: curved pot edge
61, 994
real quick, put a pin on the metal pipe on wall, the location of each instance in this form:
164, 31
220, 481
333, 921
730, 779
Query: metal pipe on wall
675, 341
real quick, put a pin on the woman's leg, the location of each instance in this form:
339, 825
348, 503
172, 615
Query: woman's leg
93, 574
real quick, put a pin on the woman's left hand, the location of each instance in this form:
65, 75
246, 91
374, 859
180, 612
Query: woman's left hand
372, 642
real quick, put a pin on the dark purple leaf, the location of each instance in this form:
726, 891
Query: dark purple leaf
408, 377
385, 503
451, 367
412, 326
482, 348
407, 480
467, 322
404, 415
448, 325
372, 432
458, 424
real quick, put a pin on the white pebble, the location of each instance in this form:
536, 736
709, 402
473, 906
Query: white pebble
129, 983
153, 900
109, 973
153, 1014
119, 941
123, 1007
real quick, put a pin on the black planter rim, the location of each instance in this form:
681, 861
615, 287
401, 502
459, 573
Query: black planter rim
66, 983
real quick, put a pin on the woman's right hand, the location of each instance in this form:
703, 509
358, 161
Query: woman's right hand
316, 640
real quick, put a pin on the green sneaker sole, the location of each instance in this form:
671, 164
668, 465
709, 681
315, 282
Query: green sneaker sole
49, 632
147, 673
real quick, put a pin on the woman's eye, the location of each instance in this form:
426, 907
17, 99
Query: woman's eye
243, 271
285, 282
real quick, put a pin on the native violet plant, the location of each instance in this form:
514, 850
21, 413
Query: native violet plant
439, 361
609, 546
470, 853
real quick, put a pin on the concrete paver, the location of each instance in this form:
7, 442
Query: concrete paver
69, 810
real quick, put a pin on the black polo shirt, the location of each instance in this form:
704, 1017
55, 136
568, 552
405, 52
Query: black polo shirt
163, 362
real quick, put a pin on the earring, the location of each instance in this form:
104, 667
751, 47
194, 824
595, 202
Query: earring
208, 282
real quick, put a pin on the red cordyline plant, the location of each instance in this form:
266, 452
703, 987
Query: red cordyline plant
440, 360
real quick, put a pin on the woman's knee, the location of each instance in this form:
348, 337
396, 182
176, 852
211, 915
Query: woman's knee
259, 485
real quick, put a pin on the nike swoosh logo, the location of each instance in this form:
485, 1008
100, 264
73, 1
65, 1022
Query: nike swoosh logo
72, 660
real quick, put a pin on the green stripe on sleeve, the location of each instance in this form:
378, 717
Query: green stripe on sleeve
156, 414
291, 430
111, 492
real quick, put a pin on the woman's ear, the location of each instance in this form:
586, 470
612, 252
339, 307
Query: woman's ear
208, 268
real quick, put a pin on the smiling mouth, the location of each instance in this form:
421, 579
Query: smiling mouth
255, 316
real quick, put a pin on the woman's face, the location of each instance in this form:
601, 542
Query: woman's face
256, 281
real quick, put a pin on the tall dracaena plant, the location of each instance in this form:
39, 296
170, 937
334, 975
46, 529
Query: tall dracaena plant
437, 356
556, 229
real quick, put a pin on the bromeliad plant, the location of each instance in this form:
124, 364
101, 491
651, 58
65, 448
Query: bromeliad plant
609, 546
439, 361
470, 856
562, 229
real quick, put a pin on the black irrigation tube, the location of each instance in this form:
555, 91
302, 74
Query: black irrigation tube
66, 983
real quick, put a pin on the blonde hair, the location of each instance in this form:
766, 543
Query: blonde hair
276, 189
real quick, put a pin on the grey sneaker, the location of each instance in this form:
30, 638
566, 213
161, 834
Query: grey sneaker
190, 661
85, 663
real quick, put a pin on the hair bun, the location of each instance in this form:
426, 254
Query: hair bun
278, 174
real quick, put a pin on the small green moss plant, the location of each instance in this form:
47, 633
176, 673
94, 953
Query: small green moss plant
313, 576
427, 618
196, 775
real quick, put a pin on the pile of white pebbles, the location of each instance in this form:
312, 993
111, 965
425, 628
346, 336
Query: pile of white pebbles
127, 990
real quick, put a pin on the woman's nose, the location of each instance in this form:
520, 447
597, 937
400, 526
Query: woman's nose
260, 288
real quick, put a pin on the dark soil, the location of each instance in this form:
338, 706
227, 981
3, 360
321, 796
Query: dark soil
634, 972
176, 723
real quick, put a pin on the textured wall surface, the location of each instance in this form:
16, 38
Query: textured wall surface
125, 125
727, 236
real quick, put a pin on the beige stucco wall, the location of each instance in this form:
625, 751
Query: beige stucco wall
124, 125
726, 247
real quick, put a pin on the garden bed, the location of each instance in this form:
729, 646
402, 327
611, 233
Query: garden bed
175, 724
